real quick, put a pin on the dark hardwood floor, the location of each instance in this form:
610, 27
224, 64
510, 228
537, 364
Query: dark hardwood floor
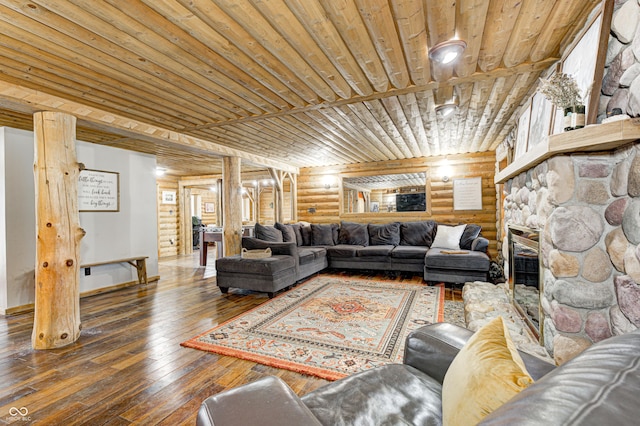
128, 366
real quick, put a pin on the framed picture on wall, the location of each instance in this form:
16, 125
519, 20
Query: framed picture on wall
168, 197
540, 121
209, 208
585, 62
523, 132
98, 191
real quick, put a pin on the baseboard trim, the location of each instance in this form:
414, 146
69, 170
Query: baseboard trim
29, 307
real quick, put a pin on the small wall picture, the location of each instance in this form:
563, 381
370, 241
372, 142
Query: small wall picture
168, 197
209, 208
375, 207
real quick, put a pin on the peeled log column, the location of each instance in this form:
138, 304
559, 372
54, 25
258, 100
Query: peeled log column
232, 204
57, 304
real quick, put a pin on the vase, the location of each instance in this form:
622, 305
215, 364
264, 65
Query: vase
566, 121
578, 117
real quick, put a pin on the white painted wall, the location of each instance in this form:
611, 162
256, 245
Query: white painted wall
110, 235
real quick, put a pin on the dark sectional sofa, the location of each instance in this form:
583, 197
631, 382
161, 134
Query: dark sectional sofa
455, 254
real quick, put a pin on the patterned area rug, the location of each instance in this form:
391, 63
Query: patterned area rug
329, 326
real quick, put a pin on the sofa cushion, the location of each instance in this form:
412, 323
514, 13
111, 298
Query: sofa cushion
417, 233
471, 232
448, 237
409, 252
388, 395
268, 233
438, 258
306, 234
306, 255
343, 251
374, 251
267, 266
387, 234
486, 373
353, 233
322, 235
288, 233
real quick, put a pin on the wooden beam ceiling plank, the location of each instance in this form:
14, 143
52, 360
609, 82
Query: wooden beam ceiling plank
74, 37
349, 122
378, 18
75, 71
242, 24
532, 18
412, 26
323, 31
394, 109
31, 76
318, 137
120, 28
347, 20
288, 87
465, 112
498, 132
349, 133
368, 123
387, 129
471, 23
480, 94
501, 19
200, 57
330, 131
441, 25
426, 104
564, 18
409, 104
25, 98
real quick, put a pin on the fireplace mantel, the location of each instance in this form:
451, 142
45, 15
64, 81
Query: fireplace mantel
596, 137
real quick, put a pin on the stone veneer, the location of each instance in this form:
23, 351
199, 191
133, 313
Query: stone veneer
587, 207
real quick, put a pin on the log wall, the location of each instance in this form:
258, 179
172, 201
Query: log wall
168, 218
317, 204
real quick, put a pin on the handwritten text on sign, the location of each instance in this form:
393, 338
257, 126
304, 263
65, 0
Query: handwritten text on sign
98, 191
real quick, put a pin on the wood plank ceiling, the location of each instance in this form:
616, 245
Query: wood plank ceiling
306, 82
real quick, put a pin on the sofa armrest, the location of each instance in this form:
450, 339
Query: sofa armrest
266, 402
432, 348
480, 244
287, 249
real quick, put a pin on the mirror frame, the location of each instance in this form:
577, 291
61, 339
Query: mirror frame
427, 190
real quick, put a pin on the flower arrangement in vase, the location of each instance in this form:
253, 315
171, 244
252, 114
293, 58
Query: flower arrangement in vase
562, 90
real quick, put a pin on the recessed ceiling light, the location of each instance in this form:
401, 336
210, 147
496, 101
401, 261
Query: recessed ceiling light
448, 51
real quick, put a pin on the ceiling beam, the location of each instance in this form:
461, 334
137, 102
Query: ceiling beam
26, 100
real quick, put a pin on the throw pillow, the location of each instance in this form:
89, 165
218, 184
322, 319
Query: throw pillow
486, 373
471, 232
305, 232
448, 237
322, 235
268, 233
383, 235
297, 229
353, 234
288, 234
417, 233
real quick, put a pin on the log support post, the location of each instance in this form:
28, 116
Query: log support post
232, 205
58, 232
278, 196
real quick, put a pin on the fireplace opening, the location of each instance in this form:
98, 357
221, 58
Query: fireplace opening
525, 280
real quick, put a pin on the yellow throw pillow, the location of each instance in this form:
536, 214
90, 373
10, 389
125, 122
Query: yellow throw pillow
486, 373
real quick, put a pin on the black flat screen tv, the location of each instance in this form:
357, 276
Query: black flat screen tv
413, 202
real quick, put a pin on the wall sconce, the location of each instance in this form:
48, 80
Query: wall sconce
160, 171
329, 181
448, 51
445, 170
213, 189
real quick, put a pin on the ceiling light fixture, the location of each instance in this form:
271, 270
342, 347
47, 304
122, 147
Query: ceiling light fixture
446, 109
448, 51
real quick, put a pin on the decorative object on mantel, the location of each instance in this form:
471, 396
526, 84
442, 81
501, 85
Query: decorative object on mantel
562, 90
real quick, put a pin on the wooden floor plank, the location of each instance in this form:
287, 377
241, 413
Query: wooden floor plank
128, 366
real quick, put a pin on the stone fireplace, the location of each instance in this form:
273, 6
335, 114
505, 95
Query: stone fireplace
586, 207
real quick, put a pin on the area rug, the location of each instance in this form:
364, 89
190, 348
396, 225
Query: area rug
330, 326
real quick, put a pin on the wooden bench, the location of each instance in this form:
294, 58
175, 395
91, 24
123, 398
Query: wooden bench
140, 265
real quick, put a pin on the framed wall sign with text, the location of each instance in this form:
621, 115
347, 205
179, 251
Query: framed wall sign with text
98, 191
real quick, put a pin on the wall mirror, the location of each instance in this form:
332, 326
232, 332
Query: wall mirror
388, 193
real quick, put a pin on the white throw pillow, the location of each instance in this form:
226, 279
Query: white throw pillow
448, 237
